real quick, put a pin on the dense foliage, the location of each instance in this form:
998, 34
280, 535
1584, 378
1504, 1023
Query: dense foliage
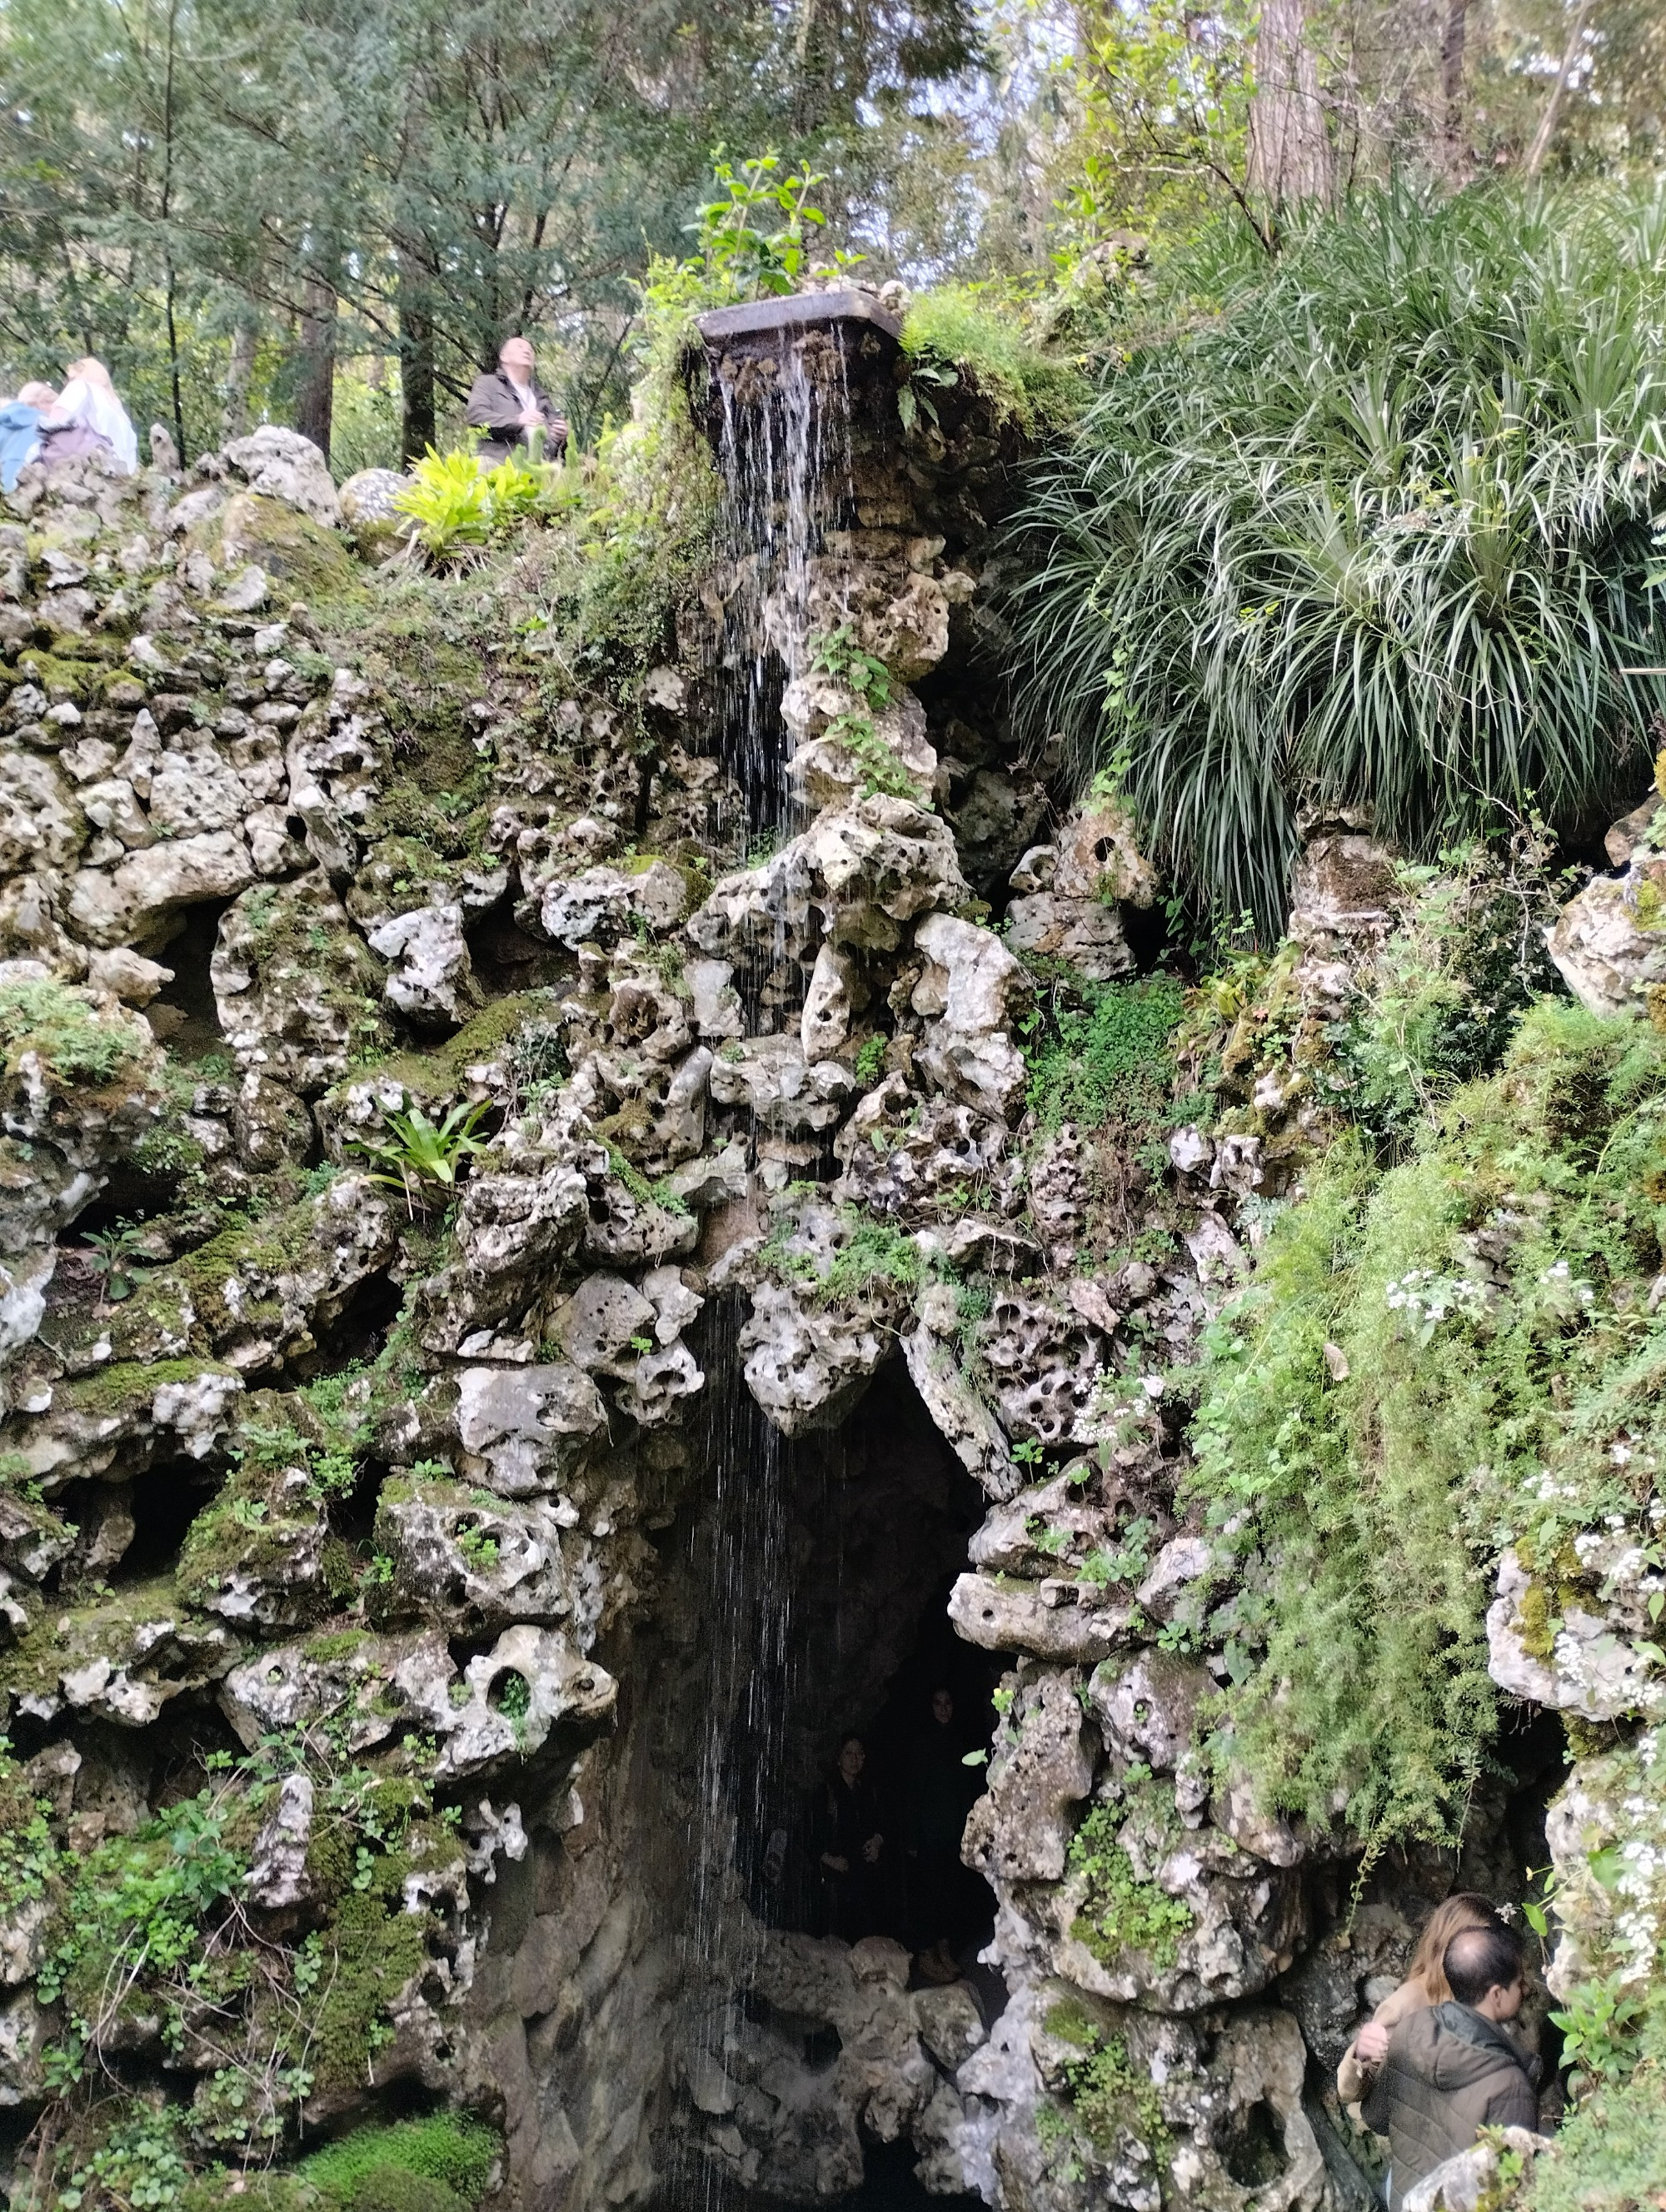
1432, 1363
1371, 523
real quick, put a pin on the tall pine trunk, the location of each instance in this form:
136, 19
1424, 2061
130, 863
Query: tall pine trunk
1455, 154
239, 372
1290, 161
315, 400
416, 377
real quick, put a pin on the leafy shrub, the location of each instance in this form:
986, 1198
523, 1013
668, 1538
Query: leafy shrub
753, 233
1608, 2154
1429, 1364
459, 508
1114, 1057
1376, 531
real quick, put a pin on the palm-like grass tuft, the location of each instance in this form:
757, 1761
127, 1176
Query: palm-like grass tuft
1371, 525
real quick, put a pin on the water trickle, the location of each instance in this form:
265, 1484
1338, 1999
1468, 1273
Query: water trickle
783, 452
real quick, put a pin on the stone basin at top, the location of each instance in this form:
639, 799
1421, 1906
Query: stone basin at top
761, 319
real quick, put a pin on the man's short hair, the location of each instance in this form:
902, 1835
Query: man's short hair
1482, 1959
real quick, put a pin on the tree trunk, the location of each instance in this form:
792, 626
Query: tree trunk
1456, 157
240, 370
1548, 121
316, 397
1290, 155
416, 380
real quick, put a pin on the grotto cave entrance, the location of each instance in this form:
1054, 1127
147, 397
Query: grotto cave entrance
851, 1634
809, 1600
185, 1015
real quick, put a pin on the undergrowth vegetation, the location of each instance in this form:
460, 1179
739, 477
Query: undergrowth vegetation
1370, 522
1434, 1362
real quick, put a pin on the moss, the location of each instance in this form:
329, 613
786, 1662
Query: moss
973, 333
438, 1074
372, 1949
311, 561
454, 2154
64, 681
125, 1385
78, 1042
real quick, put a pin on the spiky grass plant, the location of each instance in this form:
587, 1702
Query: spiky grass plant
1369, 524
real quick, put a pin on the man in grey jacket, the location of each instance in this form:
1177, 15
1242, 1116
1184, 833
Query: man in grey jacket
508, 404
1450, 2068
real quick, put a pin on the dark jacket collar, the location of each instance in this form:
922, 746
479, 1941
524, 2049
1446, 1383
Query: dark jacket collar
1474, 2028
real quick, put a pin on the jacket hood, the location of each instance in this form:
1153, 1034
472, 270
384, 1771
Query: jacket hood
1449, 2047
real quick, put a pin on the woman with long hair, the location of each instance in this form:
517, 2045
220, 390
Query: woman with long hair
89, 418
1425, 1984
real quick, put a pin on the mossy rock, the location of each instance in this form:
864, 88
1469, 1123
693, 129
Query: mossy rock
370, 2170
312, 561
433, 1075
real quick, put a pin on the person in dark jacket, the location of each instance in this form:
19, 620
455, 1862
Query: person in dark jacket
941, 1789
852, 1847
1450, 2069
508, 404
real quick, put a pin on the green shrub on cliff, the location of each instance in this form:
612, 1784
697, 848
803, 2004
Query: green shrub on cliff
1430, 1364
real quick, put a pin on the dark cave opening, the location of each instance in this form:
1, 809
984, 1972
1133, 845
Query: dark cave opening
817, 1572
184, 1015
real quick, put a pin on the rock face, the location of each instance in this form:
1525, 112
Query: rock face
573, 1307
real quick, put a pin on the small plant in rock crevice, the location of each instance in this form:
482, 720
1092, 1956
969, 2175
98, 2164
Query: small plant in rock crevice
114, 1255
1120, 1912
421, 1159
882, 774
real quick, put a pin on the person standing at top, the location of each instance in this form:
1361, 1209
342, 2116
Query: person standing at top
1450, 2069
89, 418
509, 404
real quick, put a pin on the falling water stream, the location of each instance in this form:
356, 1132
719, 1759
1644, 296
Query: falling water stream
783, 454
783, 451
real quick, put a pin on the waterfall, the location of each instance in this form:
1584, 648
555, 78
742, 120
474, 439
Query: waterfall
783, 451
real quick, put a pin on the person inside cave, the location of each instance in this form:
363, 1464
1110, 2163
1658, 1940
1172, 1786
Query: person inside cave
940, 1792
1425, 1985
853, 1846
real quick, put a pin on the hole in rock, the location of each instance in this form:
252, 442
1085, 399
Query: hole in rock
166, 1500
357, 1331
1253, 2153
353, 1512
183, 1015
508, 958
835, 1584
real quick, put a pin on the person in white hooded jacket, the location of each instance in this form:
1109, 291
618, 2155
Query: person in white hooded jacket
89, 416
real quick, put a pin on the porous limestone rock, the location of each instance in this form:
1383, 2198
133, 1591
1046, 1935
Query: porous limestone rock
283, 464
370, 514
971, 996
1610, 956
296, 989
430, 980
1594, 1668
